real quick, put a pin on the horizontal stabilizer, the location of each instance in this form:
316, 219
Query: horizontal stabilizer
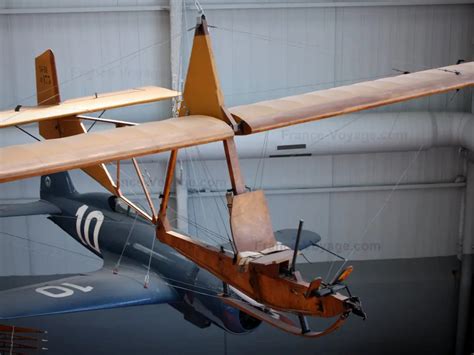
98, 290
99, 102
28, 209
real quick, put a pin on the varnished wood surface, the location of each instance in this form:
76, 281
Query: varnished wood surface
103, 101
250, 222
47, 94
281, 293
282, 322
267, 115
22, 161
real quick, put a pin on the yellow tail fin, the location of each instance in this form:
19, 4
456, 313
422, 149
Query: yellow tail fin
47, 87
47, 93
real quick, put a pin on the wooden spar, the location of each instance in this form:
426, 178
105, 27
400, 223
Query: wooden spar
168, 182
141, 212
145, 190
117, 183
238, 186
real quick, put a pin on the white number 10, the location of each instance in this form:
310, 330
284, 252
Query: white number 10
84, 237
65, 290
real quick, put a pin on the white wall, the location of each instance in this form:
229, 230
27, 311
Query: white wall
261, 53
95, 52
413, 223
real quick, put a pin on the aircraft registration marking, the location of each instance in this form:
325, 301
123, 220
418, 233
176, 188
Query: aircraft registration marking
65, 290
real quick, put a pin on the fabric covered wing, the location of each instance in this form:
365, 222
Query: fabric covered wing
266, 115
28, 209
41, 158
93, 291
74, 107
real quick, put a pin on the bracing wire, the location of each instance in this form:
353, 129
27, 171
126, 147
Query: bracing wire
382, 207
49, 245
208, 174
147, 276
130, 232
264, 153
193, 172
96, 70
260, 161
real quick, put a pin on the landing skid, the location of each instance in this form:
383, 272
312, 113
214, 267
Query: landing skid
284, 323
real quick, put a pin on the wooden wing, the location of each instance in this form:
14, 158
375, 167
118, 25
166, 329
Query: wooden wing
267, 115
80, 151
74, 107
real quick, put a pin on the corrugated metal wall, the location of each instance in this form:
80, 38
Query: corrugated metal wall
261, 53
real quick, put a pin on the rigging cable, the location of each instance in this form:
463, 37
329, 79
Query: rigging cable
117, 265
216, 198
48, 245
382, 208
147, 276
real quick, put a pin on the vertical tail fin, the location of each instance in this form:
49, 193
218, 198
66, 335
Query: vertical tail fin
59, 184
47, 93
47, 86
202, 90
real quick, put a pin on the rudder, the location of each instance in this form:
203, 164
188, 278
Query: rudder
47, 92
59, 184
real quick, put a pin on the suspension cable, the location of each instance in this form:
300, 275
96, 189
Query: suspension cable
382, 208
117, 265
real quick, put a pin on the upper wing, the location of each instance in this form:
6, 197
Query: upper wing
98, 290
46, 157
84, 105
266, 115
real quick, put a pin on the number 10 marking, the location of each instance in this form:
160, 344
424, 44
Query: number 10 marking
84, 237
66, 291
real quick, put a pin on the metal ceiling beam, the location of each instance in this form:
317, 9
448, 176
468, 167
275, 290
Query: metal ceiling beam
328, 4
231, 6
78, 10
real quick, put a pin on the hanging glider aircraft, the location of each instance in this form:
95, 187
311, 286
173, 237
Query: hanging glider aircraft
255, 277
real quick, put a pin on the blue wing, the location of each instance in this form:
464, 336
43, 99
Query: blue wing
28, 209
98, 290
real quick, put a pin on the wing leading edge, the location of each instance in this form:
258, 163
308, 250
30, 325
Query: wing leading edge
78, 106
47, 157
272, 114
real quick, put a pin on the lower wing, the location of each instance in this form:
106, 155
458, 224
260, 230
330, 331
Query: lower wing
97, 290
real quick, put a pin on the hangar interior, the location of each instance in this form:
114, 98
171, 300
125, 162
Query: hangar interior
391, 189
